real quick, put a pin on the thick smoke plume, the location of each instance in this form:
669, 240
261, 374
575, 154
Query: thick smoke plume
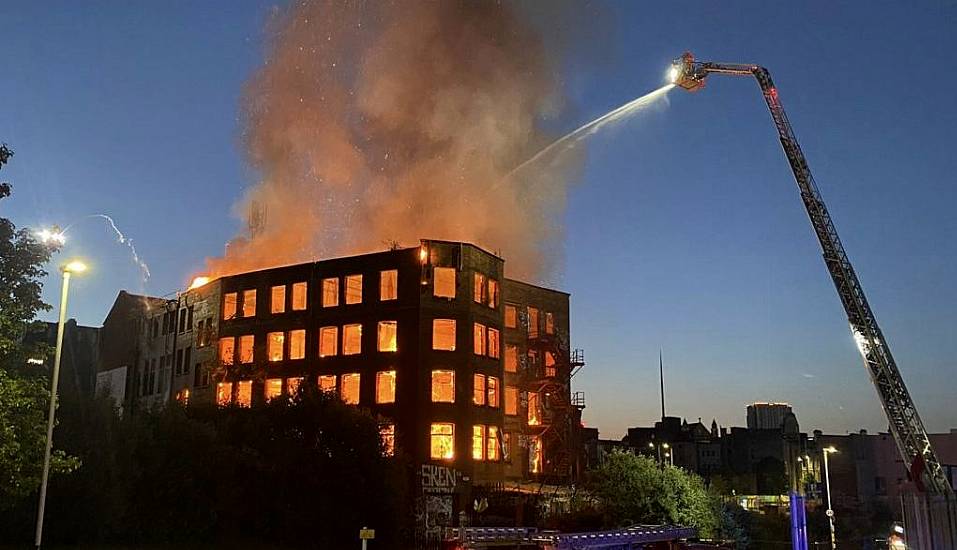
382, 122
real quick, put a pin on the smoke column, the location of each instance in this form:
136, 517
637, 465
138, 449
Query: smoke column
373, 122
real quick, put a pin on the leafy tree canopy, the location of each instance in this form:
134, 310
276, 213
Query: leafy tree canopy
633, 489
23, 390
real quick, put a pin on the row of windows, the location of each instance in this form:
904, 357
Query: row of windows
243, 304
485, 290
487, 445
347, 386
511, 360
292, 344
534, 320
486, 342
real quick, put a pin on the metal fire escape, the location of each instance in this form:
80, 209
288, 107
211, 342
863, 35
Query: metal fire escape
547, 373
905, 424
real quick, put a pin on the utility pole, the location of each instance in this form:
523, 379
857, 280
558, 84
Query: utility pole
661, 377
72, 267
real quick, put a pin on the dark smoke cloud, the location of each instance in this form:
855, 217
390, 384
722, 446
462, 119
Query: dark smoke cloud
393, 121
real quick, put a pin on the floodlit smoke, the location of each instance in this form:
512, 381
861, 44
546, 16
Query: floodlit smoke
380, 122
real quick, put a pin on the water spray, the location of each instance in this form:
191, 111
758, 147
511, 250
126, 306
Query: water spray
59, 237
572, 138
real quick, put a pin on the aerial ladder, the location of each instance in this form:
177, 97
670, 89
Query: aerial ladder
905, 424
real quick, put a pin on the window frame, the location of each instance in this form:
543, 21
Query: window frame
326, 292
277, 306
395, 336
435, 280
379, 376
304, 285
343, 378
335, 340
432, 385
445, 437
393, 293
345, 339
479, 390
454, 326
270, 349
350, 300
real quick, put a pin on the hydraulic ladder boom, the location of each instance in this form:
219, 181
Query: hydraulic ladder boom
905, 424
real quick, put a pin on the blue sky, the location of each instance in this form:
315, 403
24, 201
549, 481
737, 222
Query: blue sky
686, 232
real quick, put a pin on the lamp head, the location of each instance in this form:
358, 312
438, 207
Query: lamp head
75, 266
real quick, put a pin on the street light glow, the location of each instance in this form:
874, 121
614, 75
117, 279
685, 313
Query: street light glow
75, 266
830, 449
51, 236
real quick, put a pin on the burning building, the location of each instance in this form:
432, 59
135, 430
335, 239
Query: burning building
468, 372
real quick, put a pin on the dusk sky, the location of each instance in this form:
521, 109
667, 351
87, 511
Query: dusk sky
685, 232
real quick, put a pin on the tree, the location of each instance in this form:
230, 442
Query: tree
23, 394
635, 489
302, 472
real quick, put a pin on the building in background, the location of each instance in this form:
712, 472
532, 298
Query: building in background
467, 372
767, 416
79, 359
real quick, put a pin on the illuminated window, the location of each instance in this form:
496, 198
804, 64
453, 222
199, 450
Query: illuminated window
443, 386
549, 364
442, 441
352, 339
297, 344
273, 388
511, 400
478, 288
183, 396
328, 341
511, 316
549, 323
249, 303
292, 385
227, 350
535, 454
327, 383
229, 305
506, 446
478, 442
388, 284
353, 289
246, 348
478, 389
494, 343
299, 296
492, 391
224, 393
532, 322
277, 299
385, 386
244, 395
387, 437
443, 334
492, 293
350, 388
275, 341
387, 335
534, 414
443, 282
511, 358
330, 292
478, 338
491, 444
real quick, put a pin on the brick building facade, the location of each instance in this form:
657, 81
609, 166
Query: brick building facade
464, 369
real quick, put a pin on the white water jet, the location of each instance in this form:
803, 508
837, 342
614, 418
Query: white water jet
572, 138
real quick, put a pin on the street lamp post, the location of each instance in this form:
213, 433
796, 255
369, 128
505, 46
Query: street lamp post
72, 267
827, 485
